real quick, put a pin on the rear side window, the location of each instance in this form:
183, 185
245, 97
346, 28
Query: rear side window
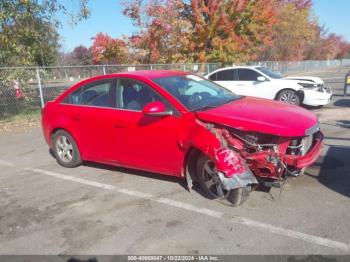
247, 75
226, 75
99, 94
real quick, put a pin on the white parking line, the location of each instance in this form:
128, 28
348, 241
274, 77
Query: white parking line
291, 233
5, 163
74, 179
212, 213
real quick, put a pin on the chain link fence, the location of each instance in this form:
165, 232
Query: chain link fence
290, 67
24, 90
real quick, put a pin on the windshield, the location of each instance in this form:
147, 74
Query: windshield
196, 93
269, 73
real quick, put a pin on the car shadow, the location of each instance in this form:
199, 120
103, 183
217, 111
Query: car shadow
181, 181
136, 172
334, 170
129, 171
344, 123
342, 102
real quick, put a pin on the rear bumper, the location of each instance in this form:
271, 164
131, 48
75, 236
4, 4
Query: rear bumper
307, 160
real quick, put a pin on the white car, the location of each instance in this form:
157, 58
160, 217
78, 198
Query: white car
261, 82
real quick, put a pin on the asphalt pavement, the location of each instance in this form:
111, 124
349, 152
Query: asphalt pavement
98, 209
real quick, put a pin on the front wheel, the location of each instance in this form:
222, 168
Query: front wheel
211, 186
289, 97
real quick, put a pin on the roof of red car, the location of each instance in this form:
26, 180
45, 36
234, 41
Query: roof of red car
155, 73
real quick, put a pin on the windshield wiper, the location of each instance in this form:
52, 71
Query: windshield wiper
214, 106
231, 99
203, 108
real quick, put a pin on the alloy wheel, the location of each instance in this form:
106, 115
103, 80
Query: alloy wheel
289, 97
64, 149
212, 180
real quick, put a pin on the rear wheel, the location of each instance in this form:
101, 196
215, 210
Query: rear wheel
210, 183
65, 149
289, 97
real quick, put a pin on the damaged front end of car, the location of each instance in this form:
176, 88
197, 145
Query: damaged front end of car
244, 158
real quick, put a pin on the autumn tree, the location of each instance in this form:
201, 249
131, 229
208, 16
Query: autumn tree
227, 31
162, 34
326, 46
81, 55
293, 32
230, 31
107, 50
202, 30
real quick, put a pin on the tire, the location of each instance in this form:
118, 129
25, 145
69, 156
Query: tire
239, 196
65, 149
289, 96
210, 183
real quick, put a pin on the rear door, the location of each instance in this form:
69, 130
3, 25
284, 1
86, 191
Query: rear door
227, 78
90, 109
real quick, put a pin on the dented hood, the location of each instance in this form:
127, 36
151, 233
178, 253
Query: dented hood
263, 116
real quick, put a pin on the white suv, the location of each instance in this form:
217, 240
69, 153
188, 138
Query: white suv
261, 82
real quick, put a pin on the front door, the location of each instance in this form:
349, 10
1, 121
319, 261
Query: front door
145, 142
247, 80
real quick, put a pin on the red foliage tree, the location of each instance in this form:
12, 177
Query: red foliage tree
107, 50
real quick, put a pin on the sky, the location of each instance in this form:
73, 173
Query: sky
106, 17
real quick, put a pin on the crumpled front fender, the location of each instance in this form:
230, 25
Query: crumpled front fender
232, 168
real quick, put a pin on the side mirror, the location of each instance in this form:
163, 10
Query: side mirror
156, 108
261, 79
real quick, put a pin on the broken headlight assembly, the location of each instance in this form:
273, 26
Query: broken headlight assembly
311, 86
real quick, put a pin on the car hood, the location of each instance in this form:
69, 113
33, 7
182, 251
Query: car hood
263, 116
313, 79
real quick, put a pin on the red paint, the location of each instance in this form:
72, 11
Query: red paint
156, 107
160, 143
263, 116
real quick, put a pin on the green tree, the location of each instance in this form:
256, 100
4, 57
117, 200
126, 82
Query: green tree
28, 31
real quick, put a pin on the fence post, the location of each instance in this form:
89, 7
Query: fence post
184, 68
40, 87
104, 70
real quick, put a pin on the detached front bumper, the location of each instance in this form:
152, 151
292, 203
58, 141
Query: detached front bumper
238, 180
310, 157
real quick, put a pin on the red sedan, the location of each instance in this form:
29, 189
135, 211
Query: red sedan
180, 124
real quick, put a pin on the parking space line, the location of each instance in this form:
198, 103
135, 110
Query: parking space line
74, 179
212, 213
5, 163
293, 234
